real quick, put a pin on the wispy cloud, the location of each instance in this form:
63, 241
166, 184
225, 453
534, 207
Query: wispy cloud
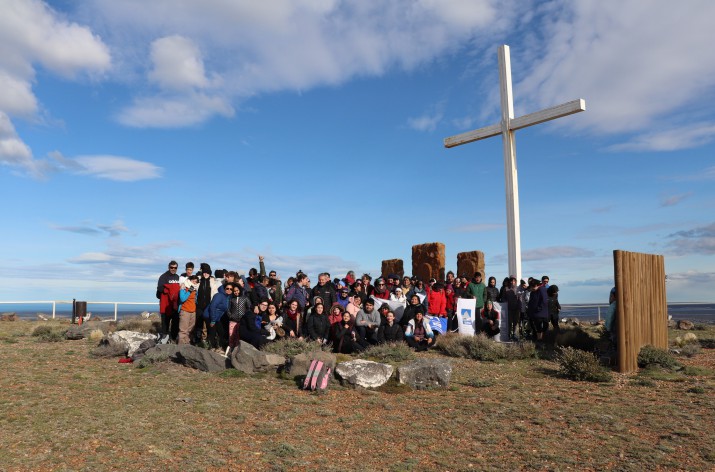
113, 230
670, 200
429, 120
119, 168
699, 240
684, 137
706, 174
477, 228
548, 253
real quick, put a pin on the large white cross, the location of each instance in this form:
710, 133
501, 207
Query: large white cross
506, 128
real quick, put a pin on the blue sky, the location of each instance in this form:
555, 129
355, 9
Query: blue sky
311, 132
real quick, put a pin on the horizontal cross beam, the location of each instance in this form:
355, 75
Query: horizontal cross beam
535, 118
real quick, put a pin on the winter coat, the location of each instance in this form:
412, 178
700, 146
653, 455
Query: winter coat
389, 334
217, 307
538, 304
410, 312
326, 292
491, 293
364, 318
238, 307
437, 303
478, 292
410, 331
167, 291
318, 327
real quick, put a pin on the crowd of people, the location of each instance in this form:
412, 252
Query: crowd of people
217, 309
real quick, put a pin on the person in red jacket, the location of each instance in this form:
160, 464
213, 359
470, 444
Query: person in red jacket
167, 291
437, 301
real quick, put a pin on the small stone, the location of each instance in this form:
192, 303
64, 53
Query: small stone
685, 324
362, 373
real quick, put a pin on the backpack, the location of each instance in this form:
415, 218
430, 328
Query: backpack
318, 376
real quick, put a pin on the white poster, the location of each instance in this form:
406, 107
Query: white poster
465, 315
397, 308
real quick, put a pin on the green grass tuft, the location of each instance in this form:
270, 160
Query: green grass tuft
581, 365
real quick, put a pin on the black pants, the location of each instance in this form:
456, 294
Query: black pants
369, 334
418, 345
253, 338
200, 322
554, 318
170, 325
514, 318
216, 335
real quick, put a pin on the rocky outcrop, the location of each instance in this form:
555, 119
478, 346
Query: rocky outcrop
248, 359
362, 373
190, 356
131, 340
425, 373
428, 261
300, 364
470, 262
8, 317
393, 266
685, 324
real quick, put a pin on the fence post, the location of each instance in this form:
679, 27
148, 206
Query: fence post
599, 313
54, 306
115, 310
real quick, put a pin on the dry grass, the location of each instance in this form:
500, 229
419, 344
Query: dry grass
63, 410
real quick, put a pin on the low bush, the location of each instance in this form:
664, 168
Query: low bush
390, 352
482, 348
291, 347
140, 325
574, 337
689, 350
581, 365
49, 334
651, 356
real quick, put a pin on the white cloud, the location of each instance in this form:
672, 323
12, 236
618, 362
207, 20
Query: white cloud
636, 63
425, 122
177, 63
32, 33
683, 137
123, 169
174, 111
260, 47
699, 241
13, 151
548, 253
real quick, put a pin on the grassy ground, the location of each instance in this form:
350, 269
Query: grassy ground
64, 410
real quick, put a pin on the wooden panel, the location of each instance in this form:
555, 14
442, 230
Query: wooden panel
642, 316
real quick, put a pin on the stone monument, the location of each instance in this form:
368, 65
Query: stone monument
470, 262
393, 266
428, 261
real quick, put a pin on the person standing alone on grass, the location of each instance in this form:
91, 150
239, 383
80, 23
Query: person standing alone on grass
167, 291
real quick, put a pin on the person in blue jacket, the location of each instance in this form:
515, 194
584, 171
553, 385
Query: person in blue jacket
213, 314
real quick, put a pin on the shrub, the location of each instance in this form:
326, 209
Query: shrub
49, 334
291, 347
689, 350
651, 356
139, 325
95, 335
480, 383
391, 352
482, 348
574, 337
581, 365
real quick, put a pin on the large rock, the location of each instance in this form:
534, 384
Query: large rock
76, 331
200, 358
470, 262
362, 373
425, 373
393, 266
168, 350
131, 340
685, 324
428, 261
248, 359
143, 348
300, 364
8, 317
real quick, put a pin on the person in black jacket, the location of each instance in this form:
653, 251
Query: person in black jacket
251, 327
490, 319
345, 337
325, 290
411, 310
390, 332
554, 306
491, 291
318, 325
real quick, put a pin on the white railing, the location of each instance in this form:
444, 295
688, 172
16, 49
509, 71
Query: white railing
569, 306
54, 304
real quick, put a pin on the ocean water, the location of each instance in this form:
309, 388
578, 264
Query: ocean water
699, 312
